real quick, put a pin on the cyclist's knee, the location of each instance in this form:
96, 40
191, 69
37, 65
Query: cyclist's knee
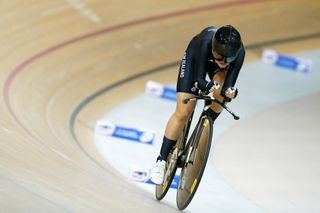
181, 116
215, 107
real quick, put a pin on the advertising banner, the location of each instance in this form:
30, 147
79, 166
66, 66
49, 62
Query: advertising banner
129, 133
159, 90
293, 63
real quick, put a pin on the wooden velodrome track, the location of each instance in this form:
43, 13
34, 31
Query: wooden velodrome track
58, 56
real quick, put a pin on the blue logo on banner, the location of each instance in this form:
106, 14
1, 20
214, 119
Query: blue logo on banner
287, 62
169, 93
291, 63
134, 135
174, 184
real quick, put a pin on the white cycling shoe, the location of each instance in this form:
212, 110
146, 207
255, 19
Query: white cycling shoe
157, 172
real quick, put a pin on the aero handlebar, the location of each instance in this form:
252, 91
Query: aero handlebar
208, 98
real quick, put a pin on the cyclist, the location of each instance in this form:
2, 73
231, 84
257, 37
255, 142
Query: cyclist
217, 53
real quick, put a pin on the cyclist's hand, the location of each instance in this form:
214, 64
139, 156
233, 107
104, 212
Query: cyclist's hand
231, 92
212, 86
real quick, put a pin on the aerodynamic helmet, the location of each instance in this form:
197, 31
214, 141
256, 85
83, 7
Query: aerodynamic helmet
226, 42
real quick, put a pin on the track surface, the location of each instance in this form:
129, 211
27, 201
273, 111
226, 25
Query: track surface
57, 55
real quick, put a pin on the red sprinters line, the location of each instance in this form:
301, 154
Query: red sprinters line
12, 75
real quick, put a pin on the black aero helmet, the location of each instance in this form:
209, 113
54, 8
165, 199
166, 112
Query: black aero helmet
226, 42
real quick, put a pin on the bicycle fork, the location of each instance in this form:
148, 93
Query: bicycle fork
194, 145
191, 155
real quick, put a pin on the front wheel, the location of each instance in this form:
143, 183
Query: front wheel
197, 156
172, 162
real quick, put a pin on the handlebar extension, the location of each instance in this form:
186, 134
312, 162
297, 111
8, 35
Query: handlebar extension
208, 98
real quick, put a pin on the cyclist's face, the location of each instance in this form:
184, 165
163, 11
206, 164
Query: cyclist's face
219, 60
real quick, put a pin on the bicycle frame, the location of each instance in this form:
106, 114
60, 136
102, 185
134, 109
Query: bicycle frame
179, 158
207, 103
193, 140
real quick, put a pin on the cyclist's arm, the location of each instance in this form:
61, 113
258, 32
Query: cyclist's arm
233, 73
200, 66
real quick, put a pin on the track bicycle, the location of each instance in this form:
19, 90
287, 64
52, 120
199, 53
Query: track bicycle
191, 154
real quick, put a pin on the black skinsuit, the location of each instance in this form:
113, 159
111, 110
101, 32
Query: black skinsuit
198, 61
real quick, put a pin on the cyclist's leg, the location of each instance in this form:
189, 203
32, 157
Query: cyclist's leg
179, 118
185, 89
173, 129
176, 123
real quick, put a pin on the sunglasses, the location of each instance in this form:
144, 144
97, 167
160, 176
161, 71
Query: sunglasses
225, 59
